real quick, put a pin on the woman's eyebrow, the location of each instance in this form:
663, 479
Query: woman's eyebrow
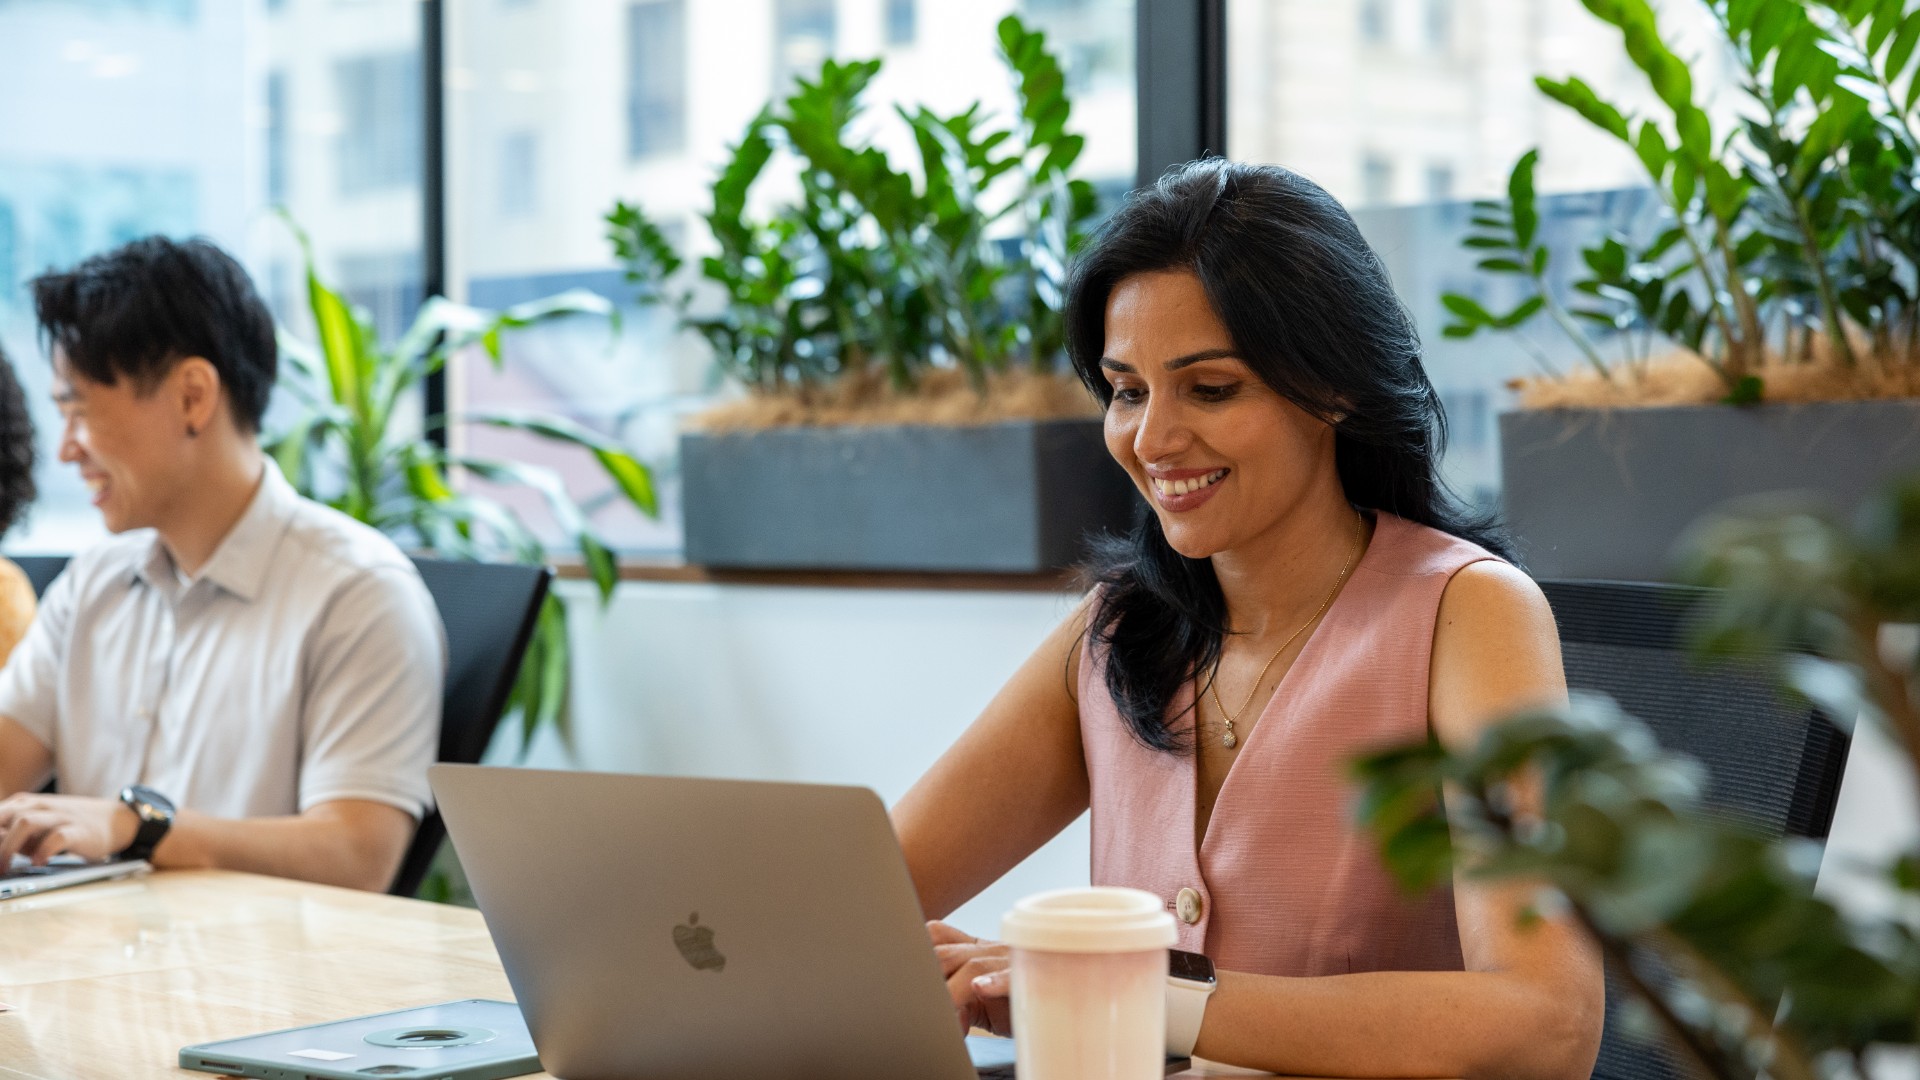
1177, 363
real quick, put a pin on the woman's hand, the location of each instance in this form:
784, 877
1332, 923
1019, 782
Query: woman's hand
979, 978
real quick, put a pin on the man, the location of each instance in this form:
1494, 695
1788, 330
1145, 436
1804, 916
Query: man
240, 678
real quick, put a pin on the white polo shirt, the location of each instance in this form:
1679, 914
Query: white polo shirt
303, 664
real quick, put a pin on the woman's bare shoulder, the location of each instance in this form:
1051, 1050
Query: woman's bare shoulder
1495, 650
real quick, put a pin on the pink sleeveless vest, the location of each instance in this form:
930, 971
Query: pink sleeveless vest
1285, 882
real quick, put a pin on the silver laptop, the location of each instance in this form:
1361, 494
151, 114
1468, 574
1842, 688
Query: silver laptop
679, 929
22, 877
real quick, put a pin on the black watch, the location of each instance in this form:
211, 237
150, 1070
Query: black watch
155, 812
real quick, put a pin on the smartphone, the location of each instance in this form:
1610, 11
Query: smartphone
459, 1040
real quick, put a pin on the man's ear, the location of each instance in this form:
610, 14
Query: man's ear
197, 388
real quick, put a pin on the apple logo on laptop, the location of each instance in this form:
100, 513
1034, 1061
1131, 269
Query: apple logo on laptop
695, 942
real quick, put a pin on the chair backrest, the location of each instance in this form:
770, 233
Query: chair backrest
489, 610
40, 569
1772, 764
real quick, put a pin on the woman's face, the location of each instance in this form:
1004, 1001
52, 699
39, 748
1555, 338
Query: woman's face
1219, 455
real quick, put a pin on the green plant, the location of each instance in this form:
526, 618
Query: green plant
868, 265
358, 447
1768, 977
1798, 222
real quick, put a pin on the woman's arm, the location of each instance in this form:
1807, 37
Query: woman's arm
1529, 1004
1007, 786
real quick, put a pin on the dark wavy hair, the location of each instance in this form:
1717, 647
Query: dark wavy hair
1312, 313
16, 449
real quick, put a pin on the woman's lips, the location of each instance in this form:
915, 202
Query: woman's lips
1182, 493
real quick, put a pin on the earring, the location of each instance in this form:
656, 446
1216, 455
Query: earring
1337, 418
192, 432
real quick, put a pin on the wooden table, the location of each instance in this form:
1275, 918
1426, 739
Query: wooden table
108, 981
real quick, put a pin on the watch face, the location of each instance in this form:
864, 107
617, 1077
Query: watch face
1190, 966
149, 804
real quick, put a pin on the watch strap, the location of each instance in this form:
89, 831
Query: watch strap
151, 831
1186, 1007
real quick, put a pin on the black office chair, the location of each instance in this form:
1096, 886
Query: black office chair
40, 569
489, 610
1772, 764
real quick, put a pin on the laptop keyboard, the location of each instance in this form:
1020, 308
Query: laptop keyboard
23, 866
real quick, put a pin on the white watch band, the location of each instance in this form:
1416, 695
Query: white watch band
1186, 1007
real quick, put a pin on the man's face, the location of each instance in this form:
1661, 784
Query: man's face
124, 442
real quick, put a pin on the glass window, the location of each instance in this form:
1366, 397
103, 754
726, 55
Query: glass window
1439, 182
381, 129
565, 76
902, 22
657, 78
105, 139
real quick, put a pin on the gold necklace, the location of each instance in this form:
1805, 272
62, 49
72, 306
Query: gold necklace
1228, 740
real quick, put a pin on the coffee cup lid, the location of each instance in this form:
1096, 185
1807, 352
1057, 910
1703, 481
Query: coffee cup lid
1099, 919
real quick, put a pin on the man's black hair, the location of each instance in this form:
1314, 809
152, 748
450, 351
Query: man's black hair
16, 449
138, 310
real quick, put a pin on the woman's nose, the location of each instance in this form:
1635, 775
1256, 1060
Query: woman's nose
1163, 430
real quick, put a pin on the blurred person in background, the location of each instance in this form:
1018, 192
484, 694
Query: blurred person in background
240, 677
16, 495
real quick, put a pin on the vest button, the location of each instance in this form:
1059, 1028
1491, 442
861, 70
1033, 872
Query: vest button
1187, 903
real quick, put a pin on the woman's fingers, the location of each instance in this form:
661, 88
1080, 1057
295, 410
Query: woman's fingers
974, 1008
952, 956
992, 992
948, 934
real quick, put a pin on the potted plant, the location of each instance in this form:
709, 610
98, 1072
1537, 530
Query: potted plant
896, 338
1763, 976
356, 448
1779, 278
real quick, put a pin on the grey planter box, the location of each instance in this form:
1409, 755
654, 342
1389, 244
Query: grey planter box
1609, 493
1008, 498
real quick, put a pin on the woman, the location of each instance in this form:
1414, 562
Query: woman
1303, 590
16, 494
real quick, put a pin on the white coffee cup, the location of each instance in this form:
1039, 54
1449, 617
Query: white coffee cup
1089, 984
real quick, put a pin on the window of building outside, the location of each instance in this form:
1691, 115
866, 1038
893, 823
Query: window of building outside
656, 78
1376, 178
266, 116
1439, 25
803, 36
1375, 25
1439, 182
380, 133
564, 74
276, 136
902, 21
519, 173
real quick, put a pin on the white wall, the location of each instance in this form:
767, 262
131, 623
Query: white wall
845, 686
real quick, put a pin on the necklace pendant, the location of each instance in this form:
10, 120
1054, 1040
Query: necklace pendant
1227, 740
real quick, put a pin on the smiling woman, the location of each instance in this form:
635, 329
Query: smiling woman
1303, 564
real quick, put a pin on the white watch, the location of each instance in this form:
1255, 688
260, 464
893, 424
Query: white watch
1189, 983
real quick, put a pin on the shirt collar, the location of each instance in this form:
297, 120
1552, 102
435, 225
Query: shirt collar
239, 565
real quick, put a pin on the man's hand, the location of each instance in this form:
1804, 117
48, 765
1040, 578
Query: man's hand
42, 826
979, 978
